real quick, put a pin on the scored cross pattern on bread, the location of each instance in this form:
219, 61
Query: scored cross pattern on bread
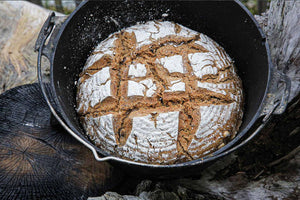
159, 93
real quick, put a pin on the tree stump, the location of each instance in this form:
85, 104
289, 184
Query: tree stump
266, 168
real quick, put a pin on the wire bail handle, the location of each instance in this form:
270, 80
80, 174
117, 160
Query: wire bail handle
275, 103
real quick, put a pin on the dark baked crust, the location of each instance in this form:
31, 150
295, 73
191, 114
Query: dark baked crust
125, 108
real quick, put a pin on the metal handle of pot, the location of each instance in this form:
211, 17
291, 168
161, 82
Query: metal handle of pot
278, 94
275, 103
49, 29
45, 50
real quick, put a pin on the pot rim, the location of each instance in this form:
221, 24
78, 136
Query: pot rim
217, 154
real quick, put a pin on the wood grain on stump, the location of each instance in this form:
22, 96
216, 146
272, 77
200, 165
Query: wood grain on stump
39, 159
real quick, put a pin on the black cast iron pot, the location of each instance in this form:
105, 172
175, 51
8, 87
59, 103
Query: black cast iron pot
229, 23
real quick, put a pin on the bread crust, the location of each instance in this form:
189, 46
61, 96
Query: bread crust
159, 93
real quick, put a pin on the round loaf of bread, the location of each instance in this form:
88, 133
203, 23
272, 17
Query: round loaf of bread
159, 93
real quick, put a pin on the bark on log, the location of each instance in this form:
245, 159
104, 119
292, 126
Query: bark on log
282, 27
267, 168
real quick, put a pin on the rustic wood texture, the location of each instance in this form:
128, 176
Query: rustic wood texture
39, 159
281, 25
20, 24
266, 168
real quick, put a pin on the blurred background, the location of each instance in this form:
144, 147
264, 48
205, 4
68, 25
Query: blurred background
67, 6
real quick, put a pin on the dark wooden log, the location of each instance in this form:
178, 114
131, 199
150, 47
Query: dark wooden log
39, 159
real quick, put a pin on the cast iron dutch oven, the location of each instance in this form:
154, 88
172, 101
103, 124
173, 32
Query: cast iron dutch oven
227, 22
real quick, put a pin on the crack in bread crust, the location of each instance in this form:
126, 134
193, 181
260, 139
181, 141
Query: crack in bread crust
124, 108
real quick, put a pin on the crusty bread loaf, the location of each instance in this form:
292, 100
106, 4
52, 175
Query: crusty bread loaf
159, 93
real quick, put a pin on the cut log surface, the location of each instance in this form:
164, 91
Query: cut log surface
39, 159
268, 167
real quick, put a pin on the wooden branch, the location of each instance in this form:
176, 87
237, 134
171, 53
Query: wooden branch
282, 28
